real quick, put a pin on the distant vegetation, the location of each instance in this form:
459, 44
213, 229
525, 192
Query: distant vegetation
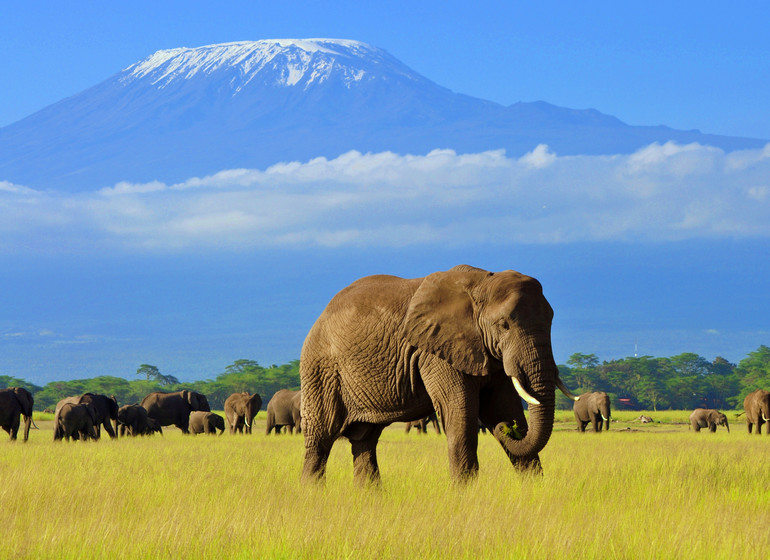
680, 382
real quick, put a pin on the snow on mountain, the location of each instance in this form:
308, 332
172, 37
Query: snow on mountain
280, 62
189, 112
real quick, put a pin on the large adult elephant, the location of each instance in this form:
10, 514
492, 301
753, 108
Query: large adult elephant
594, 408
708, 418
284, 409
757, 408
134, 421
105, 411
77, 421
16, 402
173, 409
467, 343
240, 411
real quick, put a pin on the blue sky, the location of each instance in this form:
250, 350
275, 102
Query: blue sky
664, 249
684, 64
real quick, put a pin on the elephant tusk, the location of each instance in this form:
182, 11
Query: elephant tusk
560, 384
605, 418
246, 421
522, 393
764, 418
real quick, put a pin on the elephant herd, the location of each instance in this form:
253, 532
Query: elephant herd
83, 417
595, 408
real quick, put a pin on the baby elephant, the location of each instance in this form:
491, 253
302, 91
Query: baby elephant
202, 422
707, 418
76, 421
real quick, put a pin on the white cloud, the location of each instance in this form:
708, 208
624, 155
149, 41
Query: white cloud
661, 192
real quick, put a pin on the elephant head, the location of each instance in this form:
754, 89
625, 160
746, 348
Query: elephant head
197, 401
252, 405
26, 401
479, 322
719, 419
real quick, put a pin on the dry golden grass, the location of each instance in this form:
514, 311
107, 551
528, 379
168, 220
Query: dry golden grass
649, 492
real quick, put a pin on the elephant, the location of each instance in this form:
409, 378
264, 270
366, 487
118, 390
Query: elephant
708, 418
202, 422
283, 409
240, 411
14, 403
134, 421
105, 410
467, 343
757, 408
77, 421
422, 424
594, 408
173, 409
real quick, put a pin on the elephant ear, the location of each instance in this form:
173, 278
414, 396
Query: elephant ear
25, 400
441, 319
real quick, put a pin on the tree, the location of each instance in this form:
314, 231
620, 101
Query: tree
150, 372
584, 371
754, 371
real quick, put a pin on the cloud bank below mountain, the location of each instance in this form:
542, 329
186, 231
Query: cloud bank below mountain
659, 193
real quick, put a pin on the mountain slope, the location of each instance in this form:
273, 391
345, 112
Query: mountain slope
187, 112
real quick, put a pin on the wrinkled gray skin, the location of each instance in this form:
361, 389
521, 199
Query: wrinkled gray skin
105, 411
134, 421
422, 424
467, 343
593, 408
202, 422
240, 411
757, 408
14, 403
707, 418
173, 409
284, 410
77, 421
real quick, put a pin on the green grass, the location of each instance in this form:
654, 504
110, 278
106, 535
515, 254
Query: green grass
655, 491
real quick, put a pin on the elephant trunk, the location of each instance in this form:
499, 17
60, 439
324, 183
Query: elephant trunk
542, 375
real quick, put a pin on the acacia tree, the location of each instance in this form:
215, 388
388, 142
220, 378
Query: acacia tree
151, 373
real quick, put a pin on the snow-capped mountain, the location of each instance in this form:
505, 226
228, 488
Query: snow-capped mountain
194, 111
279, 62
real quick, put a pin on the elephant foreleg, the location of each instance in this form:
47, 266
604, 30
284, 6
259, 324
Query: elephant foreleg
108, 427
595, 422
455, 398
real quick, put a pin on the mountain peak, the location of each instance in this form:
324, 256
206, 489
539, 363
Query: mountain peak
280, 62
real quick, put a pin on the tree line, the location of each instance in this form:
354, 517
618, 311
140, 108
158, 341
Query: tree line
682, 382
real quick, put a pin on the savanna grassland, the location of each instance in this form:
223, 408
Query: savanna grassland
652, 491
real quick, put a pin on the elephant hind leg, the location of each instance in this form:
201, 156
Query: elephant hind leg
316, 456
363, 440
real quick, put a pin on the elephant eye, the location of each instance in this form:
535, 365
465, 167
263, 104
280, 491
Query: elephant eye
504, 325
